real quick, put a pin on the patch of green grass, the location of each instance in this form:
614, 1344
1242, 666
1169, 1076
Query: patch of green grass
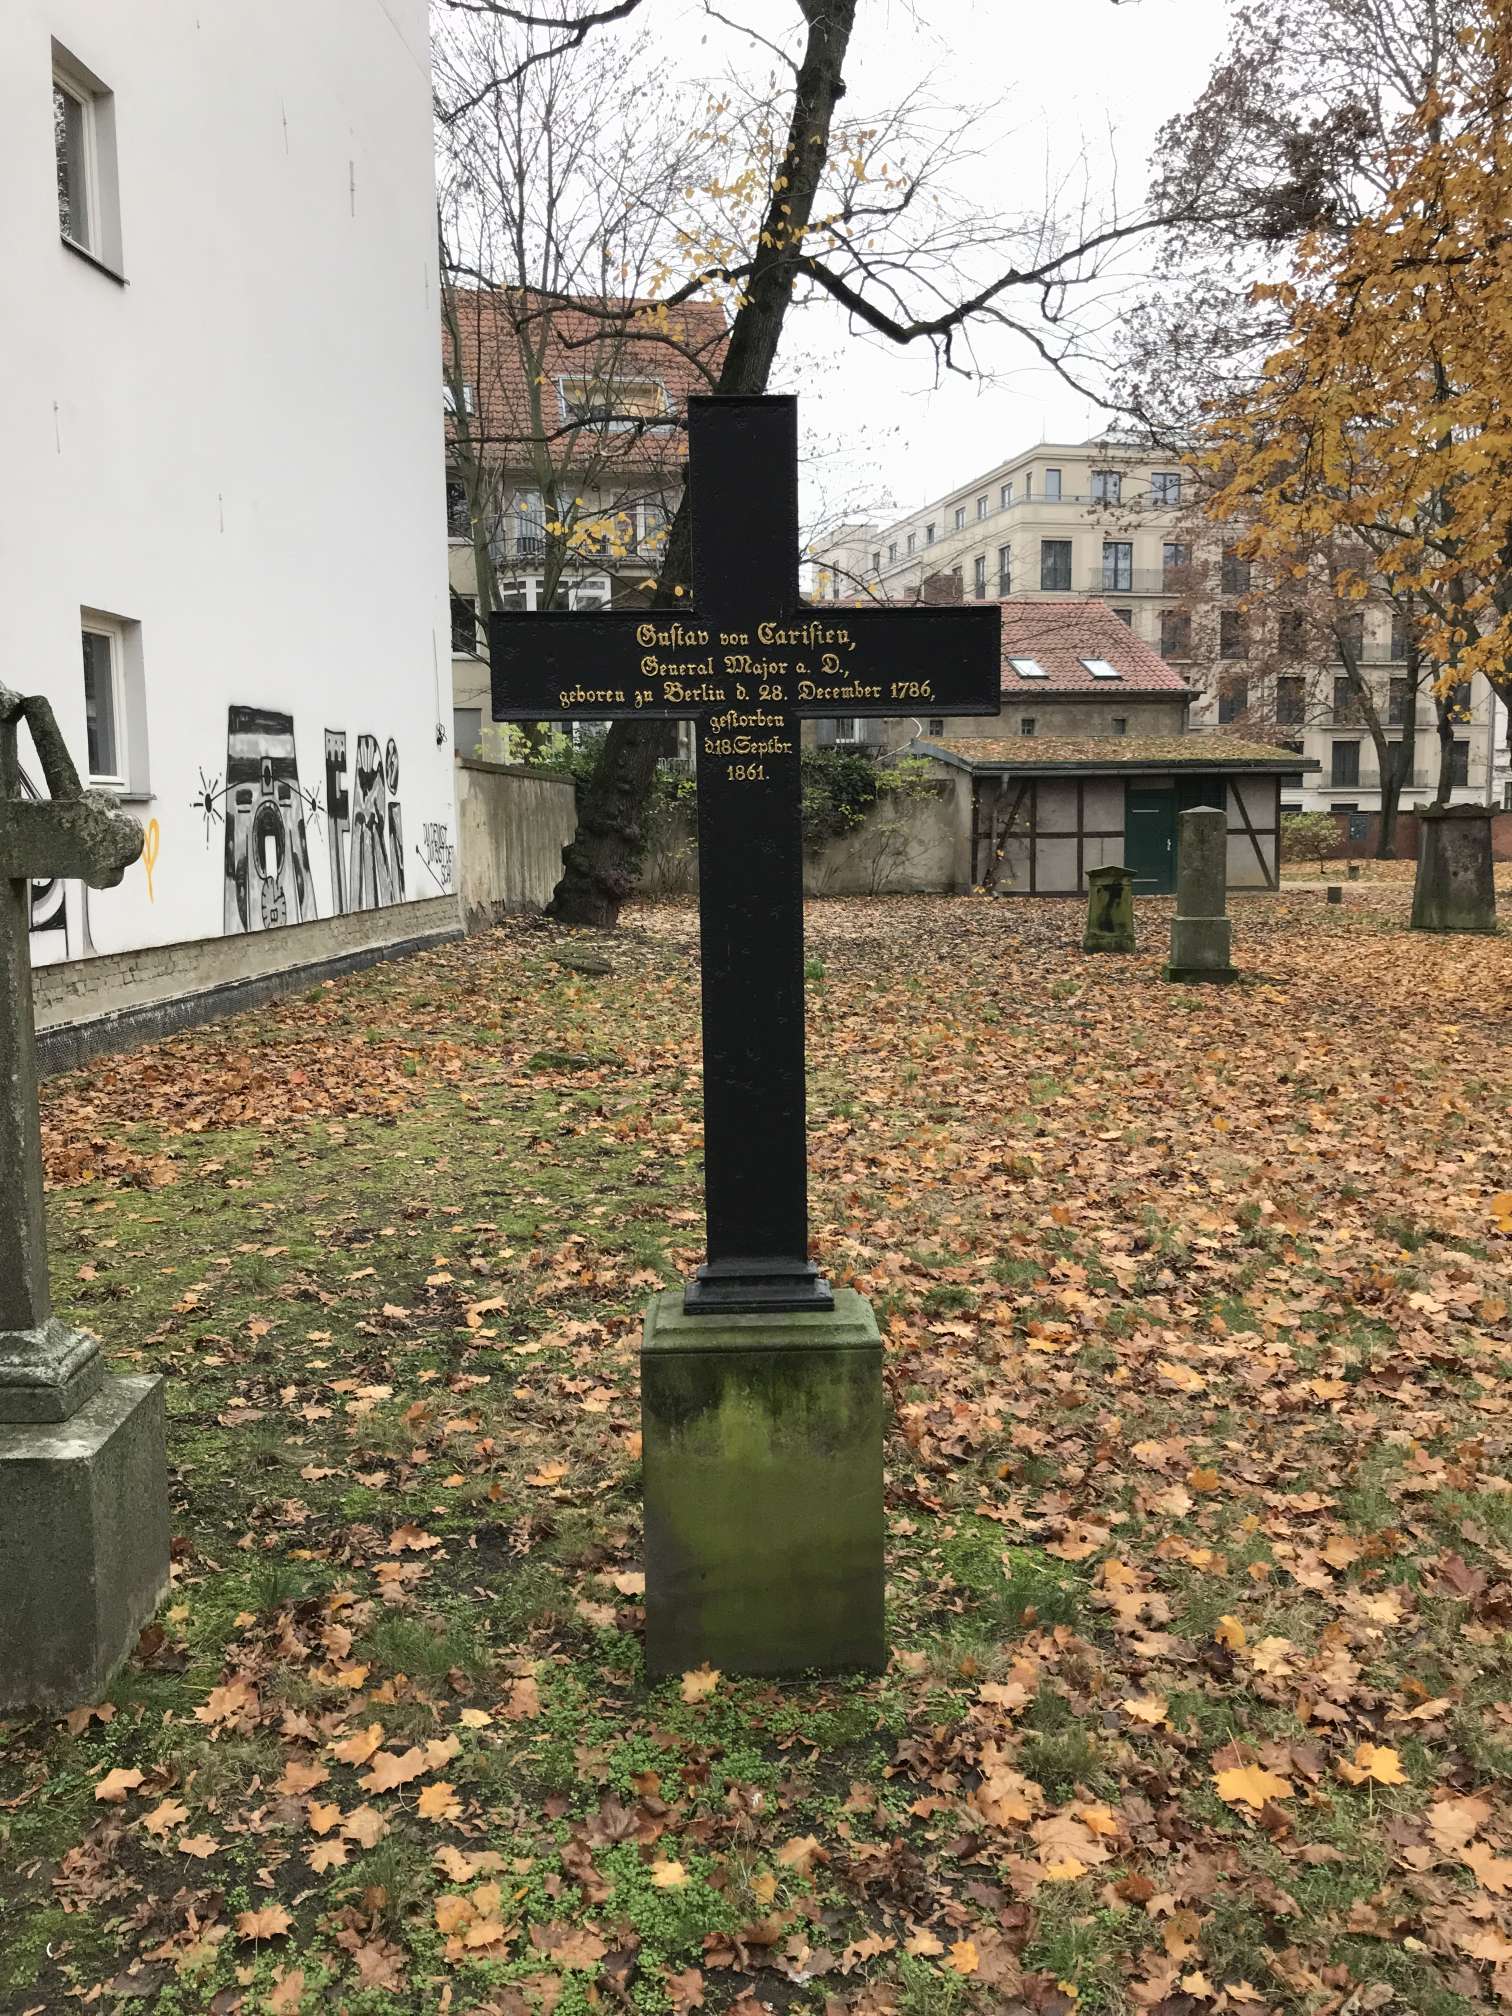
427, 1648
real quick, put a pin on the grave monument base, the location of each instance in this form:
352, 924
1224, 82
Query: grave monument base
762, 1458
83, 1543
1201, 949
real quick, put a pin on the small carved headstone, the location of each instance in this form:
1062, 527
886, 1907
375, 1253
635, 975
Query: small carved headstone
83, 1482
1201, 933
1456, 879
1110, 910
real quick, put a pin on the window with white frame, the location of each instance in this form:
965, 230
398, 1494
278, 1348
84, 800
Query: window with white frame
981, 507
84, 145
1165, 486
846, 729
449, 397
105, 701
959, 519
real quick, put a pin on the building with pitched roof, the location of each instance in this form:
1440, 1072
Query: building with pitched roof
1090, 761
566, 455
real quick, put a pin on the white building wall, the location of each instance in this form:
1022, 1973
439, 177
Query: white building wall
239, 450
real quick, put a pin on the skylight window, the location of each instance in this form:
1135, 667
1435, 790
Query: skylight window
1101, 669
1028, 668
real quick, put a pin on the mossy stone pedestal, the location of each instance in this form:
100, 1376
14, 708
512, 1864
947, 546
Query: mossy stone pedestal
762, 1454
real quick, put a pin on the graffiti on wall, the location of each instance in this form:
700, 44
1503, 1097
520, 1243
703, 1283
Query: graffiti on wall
377, 871
58, 911
268, 815
267, 854
437, 854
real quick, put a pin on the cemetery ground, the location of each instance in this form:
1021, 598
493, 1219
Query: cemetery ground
1200, 1522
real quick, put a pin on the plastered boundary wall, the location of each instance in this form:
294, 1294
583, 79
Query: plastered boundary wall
116, 1000
512, 825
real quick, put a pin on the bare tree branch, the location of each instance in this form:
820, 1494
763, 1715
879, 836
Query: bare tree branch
576, 32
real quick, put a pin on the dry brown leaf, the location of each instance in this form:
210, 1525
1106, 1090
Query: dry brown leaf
271, 1922
700, 1684
1250, 1785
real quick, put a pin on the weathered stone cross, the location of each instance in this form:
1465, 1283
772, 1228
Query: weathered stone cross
47, 1370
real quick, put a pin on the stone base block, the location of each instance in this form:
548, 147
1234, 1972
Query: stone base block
1455, 888
1200, 949
762, 1456
83, 1544
49, 1373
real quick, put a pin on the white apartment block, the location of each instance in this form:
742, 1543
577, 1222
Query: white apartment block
1064, 520
222, 546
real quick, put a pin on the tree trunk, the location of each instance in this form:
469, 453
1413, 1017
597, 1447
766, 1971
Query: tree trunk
600, 865
1446, 752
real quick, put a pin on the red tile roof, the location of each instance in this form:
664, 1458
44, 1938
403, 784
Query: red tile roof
681, 352
1059, 635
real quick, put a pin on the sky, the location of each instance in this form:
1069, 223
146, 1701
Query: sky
1070, 94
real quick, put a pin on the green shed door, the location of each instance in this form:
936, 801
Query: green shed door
1150, 840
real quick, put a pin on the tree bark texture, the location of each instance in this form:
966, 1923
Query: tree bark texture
601, 863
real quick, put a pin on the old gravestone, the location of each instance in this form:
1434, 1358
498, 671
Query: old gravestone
1201, 932
83, 1488
1110, 910
761, 1388
1455, 888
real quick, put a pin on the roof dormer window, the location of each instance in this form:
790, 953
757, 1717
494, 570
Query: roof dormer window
1100, 668
1028, 668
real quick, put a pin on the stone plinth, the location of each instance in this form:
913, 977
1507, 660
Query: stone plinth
1110, 910
1456, 887
762, 1456
83, 1544
1201, 936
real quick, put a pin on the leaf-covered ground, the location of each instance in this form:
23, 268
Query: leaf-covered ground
1200, 1520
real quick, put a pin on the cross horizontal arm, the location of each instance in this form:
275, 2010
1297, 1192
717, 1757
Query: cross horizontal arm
84, 838
815, 662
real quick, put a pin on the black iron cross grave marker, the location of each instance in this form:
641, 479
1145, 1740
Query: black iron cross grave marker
748, 661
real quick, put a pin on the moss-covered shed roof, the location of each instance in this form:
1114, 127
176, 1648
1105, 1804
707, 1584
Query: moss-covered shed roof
1114, 754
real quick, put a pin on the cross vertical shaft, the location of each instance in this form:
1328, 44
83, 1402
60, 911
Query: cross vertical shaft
25, 1298
743, 474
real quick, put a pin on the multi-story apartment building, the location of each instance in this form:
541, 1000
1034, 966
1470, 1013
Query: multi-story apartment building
1066, 520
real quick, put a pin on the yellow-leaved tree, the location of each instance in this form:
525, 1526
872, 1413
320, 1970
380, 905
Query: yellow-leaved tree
1377, 442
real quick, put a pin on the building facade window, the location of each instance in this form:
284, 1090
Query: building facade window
979, 577
936, 724
1398, 645
960, 517
1118, 564
1005, 570
1349, 637
1235, 572
910, 542
1291, 700
1005, 496
467, 730
1396, 706
1346, 704
1125, 616
1026, 724
1165, 486
929, 535
1459, 763
104, 702
892, 552
458, 517
449, 397
1173, 563
1055, 564
1344, 764
1120, 724
1233, 634
1107, 486
877, 561
1291, 633
464, 623
1052, 484
1175, 633
89, 215
1457, 704
1233, 700
981, 507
